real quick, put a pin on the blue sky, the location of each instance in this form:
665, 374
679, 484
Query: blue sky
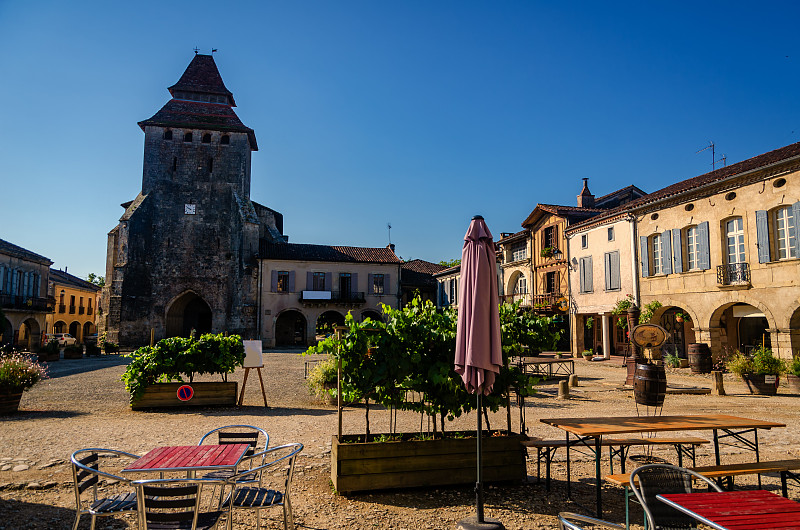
418, 113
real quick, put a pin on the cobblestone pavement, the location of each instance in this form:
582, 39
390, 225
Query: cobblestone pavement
84, 404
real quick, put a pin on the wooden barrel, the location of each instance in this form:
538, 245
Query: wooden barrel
700, 358
650, 385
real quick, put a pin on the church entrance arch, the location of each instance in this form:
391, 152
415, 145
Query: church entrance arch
290, 329
186, 313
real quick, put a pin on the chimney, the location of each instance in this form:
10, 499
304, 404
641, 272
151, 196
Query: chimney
390, 246
585, 199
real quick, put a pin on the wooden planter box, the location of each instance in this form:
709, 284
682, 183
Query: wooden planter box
407, 464
205, 394
757, 384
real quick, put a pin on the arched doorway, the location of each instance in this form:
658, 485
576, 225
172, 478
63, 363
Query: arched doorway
186, 313
28, 336
75, 330
327, 321
290, 329
60, 327
794, 330
679, 328
741, 327
6, 332
372, 314
88, 329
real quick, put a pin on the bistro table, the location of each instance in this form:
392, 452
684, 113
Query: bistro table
189, 458
589, 433
737, 510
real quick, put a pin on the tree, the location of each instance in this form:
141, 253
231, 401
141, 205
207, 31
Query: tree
99, 281
450, 262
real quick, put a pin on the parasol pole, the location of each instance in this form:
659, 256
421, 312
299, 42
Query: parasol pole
479, 483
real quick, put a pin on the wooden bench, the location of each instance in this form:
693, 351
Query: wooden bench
728, 471
547, 367
545, 449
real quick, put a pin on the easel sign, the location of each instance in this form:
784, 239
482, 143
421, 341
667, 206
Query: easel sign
253, 359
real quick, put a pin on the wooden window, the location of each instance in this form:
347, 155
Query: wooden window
657, 254
283, 282
318, 281
585, 241
551, 282
378, 286
521, 285
692, 248
519, 251
734, 240
611, 233
549, 237
785, 233
612, 271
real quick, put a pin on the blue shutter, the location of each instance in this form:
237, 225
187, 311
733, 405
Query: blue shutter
386, 284
677, 251
291, 281
794, 230
666, 255
704, 259
14, 282
2, 278
328, 282
644, 256
615, 281
589, 272
37, 279
370, 283
309, 281
274, 282
607, 268
762, 236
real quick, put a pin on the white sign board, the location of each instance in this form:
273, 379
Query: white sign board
252, 354
316, 295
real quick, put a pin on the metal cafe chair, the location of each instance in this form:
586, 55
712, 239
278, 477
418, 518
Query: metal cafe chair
86, 474
236, 434
574, 521
654, 479
250, 496
173, 504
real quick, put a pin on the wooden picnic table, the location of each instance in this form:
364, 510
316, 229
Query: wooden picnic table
547, 366
589, 433
737, 510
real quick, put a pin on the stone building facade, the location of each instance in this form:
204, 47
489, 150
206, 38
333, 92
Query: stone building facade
23, 296
184, 254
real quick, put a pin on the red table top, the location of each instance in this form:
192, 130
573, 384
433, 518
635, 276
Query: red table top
740, 510
190, 457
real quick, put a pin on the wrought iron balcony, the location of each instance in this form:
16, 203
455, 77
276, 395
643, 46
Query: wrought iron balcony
89, 310
516, 297
80, 310
62, 308
733, 274
350, 297
9, 301
72, 310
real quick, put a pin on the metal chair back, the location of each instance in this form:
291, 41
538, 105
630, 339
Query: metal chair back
653, 479
239, 434
574, 521
173, 503
86, 474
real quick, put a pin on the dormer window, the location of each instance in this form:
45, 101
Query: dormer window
168, 135
225, 140
206, 138
187, 137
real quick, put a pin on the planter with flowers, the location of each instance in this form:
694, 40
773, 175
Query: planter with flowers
17, 374
761, 371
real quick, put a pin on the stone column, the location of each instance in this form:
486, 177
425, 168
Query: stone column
606, 335
781, 340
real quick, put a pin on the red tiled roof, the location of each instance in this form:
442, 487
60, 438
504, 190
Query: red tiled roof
304, 252
197, 115
13, 250
62, 277
422, 266
419, 273
513, 236
202, 75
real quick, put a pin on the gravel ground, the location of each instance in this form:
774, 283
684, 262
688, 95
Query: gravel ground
84, 404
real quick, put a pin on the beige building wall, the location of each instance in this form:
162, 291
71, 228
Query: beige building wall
279, 308
75, 311
773, 287
514, 269
594, 243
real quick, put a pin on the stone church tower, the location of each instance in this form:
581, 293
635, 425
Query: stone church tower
184, 254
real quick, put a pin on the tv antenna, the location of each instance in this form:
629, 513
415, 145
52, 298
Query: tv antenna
714, 160
389, 227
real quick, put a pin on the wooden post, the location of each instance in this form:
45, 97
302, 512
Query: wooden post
718, 388
339, 381
152, 336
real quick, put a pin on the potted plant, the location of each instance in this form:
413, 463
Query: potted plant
793, 374
156, 377
761, 371
17, 374
588, 354
679, 317
547, 252
73, 351
49, 352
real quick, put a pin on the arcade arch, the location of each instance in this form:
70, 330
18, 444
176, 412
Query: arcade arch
290, 328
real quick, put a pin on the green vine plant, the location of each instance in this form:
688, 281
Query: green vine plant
620, 310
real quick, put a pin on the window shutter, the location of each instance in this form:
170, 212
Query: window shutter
702, 236
666, 255
794, 230
370, 283
354, 282
615, 282
274, 282
443, 292
291, 281
607, 260
589, 278
762, 236
2, 278
328, 282
644, 256
14, 282
386, 284
309, 281
677, 251
455, 296
582, 274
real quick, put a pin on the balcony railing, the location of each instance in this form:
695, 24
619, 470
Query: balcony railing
733, 274
546, 300
9, 301
80, 310
89, 310
515, 297
62, 308
72, 310
333, 296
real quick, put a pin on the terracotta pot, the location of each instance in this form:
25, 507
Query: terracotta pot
758, 385
9, 402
